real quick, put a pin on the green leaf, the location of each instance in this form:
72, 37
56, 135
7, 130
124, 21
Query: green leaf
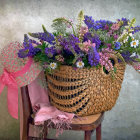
44, 29
115, 69
137, 59
85, 60
120, 57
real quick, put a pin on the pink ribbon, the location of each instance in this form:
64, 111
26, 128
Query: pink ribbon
9, 79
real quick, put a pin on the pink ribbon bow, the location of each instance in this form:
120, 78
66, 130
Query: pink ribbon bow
9, 79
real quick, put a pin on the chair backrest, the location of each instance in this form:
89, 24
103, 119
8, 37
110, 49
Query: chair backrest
26, 112
26, 103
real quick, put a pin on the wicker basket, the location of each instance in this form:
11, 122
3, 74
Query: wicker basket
85, 91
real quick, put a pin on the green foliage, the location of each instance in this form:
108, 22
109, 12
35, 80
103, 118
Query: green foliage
131, 24
68, 59
60, 25
120, 57
85, 60
31, 34
41, 56
115, 69
44, 29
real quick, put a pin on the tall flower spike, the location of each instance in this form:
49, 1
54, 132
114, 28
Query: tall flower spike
44, 36
80, 20
93, 57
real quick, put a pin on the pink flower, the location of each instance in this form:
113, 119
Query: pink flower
104, 61
115, 36
110, 33
115, 26
88, 44
106, 27
109, 45
83, 30
136, 66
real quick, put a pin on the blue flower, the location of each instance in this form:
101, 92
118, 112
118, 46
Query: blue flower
117, 45
93, 57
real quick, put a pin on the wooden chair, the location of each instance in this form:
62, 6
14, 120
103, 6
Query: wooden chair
88, 125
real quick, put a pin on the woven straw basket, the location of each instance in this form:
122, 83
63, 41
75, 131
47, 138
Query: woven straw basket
85, 91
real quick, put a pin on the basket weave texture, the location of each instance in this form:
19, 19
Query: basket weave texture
84, 91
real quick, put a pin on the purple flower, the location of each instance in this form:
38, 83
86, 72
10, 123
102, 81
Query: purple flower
106, 27
136, 29
29, 49
94, 39
44, 36
109, 45
115, 37
126, 55
50, 52
27, 42
28, 52
93, 57
125, 21
99, 24
70, 44
117, 45
89, 21
34, 42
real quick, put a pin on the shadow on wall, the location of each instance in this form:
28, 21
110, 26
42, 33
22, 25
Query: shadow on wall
9, 127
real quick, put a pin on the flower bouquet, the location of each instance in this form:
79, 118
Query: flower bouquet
84, 62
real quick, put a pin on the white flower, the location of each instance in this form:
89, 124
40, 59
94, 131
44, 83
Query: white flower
130, 34
80, 64
133, 54
53, 65
135, 43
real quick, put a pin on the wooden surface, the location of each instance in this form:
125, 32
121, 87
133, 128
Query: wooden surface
86, 120
87, 124
26, 113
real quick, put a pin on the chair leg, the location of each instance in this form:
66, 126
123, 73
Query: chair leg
88, 135
98, 132
45, 133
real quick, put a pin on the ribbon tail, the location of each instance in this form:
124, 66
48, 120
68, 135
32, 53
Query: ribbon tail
1, 87
12, 100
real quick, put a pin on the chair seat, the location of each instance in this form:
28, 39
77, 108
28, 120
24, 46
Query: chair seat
82, 123
86, 120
